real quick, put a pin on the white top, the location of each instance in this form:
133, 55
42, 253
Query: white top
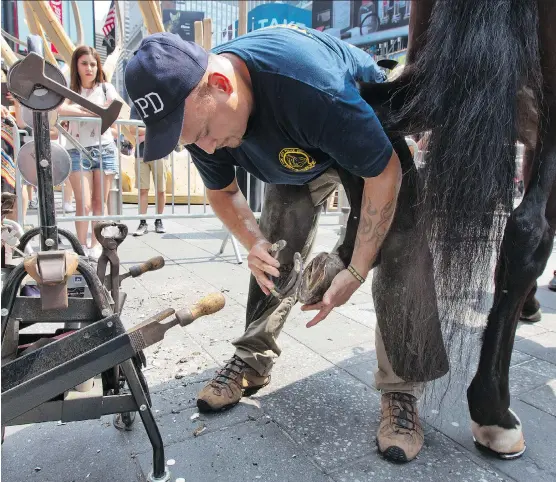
87, 133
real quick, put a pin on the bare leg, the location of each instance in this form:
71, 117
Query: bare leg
99, 205
161, 201
143, 201
30, 191
82, 201
68, 193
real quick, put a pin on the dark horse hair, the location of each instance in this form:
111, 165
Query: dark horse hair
463, 88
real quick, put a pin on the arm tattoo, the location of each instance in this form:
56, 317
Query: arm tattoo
371, 232
382, 226
364, 232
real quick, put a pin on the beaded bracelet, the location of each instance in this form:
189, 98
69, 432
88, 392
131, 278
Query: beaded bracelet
357, 276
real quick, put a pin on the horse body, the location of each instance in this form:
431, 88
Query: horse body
480, 76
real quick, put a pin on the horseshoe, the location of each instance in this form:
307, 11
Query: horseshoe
294, 278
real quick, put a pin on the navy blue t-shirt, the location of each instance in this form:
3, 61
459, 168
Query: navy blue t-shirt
308, 112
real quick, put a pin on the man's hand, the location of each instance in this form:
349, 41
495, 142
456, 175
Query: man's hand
260, 262
343, 286
232, 209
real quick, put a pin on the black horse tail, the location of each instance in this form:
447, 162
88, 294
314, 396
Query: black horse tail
463, 89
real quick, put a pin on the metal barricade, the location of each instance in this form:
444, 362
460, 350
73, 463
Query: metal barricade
115, 202
117, 211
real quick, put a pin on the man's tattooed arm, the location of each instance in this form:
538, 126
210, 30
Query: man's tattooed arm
377, 211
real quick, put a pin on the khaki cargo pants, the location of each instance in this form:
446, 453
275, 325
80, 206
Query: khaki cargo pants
297, 224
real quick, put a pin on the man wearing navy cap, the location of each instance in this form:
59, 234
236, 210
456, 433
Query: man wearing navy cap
282, 103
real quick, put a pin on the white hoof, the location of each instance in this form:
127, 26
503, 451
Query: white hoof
504, 442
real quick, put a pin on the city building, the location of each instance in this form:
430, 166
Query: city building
379, 27
14, 22
179, 16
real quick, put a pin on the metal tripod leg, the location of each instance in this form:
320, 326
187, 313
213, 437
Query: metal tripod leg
234, 244
159, 472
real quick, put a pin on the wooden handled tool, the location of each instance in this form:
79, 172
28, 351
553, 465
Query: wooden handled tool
152, 330
151, 265
139, 269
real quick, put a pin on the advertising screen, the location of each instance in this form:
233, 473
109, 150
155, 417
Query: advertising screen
182, 23
362, 22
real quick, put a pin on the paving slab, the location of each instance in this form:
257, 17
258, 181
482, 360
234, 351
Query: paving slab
547, 298
452, 419
179, 426
519, 357
528, 330
332, 334
176, 360
226, 325
331, 414
252, 451
364, 372
297, 362
317, 419
91, 450
541, 346
363, 352
542, 397
439, 460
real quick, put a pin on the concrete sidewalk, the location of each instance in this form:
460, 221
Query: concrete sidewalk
316, 421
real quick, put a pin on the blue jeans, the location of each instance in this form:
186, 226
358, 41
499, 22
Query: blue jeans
107, 159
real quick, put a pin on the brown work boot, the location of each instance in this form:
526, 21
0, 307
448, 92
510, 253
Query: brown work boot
235, 380
400, 435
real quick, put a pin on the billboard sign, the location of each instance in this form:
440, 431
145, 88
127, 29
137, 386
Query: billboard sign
271, 14
362, 22
182, 23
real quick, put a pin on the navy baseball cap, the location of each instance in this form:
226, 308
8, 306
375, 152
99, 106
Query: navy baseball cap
158, 79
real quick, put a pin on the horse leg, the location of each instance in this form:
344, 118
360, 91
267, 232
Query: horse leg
531, 311
551, 217
494, 425
418, 23
525, 249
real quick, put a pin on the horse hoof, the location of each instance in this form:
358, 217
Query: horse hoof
504, 443
532, 318
500, 455
317, 277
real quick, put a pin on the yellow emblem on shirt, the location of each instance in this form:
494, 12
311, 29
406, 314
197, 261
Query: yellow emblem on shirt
296, 159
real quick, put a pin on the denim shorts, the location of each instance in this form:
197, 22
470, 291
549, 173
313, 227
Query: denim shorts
109, 160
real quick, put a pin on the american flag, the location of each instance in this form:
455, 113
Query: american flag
110, 21
109, 29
